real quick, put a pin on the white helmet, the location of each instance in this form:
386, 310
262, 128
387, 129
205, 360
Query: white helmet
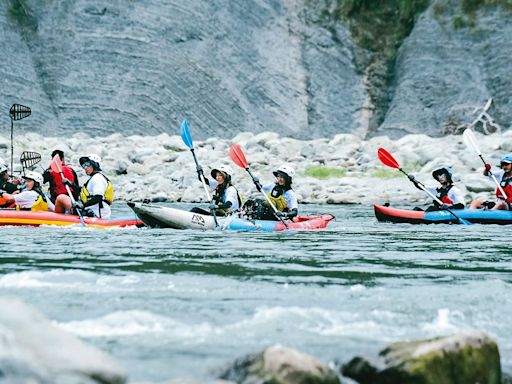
287, 169
36, 176
226, 169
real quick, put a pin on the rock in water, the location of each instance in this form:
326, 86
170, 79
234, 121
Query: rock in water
280, 365
32, 350
457, 359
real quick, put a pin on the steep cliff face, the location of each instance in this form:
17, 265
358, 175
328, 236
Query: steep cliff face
140, 67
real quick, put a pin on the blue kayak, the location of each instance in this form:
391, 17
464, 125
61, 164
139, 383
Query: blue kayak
477, 216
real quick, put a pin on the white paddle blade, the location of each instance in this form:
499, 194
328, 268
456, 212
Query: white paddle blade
469, 139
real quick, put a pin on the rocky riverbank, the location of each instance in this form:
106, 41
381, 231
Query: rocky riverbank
339, 170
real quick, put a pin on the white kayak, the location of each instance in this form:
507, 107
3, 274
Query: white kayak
157, 216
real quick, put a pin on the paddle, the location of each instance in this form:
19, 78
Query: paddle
56, 166
387, 159
187, 139
469, 139
17, 112
238, 157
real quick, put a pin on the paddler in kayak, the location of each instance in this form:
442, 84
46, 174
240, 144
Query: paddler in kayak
226, 198
451, 196
504, 178
96, 195
56, 182
281, 193
8, 183
31, 198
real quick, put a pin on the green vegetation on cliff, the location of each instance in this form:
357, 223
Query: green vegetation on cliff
379, 26
21, 14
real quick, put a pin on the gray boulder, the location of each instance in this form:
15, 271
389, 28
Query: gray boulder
462, 358
280, 365
32, 350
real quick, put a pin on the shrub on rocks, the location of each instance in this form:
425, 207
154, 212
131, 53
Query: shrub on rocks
280, 365
458, 359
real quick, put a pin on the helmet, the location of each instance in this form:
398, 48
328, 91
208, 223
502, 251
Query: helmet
93, 158
442, 169
286, 169
226, 169
507, 158
36, 176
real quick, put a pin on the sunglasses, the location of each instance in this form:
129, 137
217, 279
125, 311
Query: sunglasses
503, 164
86, 165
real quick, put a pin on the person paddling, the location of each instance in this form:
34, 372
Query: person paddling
226, 198
8, 183
281, 193
450, 195
504, 194
56, 181
31, 198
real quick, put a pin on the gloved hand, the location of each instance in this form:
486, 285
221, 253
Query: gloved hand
411, 177
200, 174
445, 206
78, 205
66, 182
487, 167
1, 192
213, 206
257, 184
281, 214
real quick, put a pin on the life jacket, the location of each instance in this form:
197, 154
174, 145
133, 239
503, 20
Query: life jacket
442, 194
40, 204
218, 199
56, 186
108, 196
506, 184
5, 204
277, 198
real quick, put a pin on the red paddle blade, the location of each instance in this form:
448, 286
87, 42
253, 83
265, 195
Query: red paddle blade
387, 159
56, 164
237, 155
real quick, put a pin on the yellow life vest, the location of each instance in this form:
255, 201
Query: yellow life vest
108, 196
279, 202
39, 205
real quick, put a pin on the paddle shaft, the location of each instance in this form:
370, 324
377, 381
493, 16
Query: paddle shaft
203, 181
267, 198
469, 136
436, 199
494, 178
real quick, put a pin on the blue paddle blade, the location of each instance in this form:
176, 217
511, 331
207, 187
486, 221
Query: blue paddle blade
185, 134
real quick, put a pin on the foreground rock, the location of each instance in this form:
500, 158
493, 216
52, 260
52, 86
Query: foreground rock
461, 358
280, 365
34, 351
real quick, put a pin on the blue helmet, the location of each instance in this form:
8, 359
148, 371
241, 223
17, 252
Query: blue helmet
443, 169
507, 158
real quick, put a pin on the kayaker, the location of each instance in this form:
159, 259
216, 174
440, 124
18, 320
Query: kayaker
281, 193
96, 195
31, 198
8, 183
504, 178
55, 180
451, 196
226, 198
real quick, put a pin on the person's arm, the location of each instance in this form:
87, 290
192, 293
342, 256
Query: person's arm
7, 196
456, 196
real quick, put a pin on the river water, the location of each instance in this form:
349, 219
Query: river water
171, 303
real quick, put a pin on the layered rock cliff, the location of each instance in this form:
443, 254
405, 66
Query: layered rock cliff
289, 66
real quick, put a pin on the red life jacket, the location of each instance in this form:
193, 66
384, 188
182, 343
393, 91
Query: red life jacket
56, 186
506, 184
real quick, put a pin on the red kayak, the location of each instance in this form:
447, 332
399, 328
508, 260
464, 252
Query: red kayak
35, 219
